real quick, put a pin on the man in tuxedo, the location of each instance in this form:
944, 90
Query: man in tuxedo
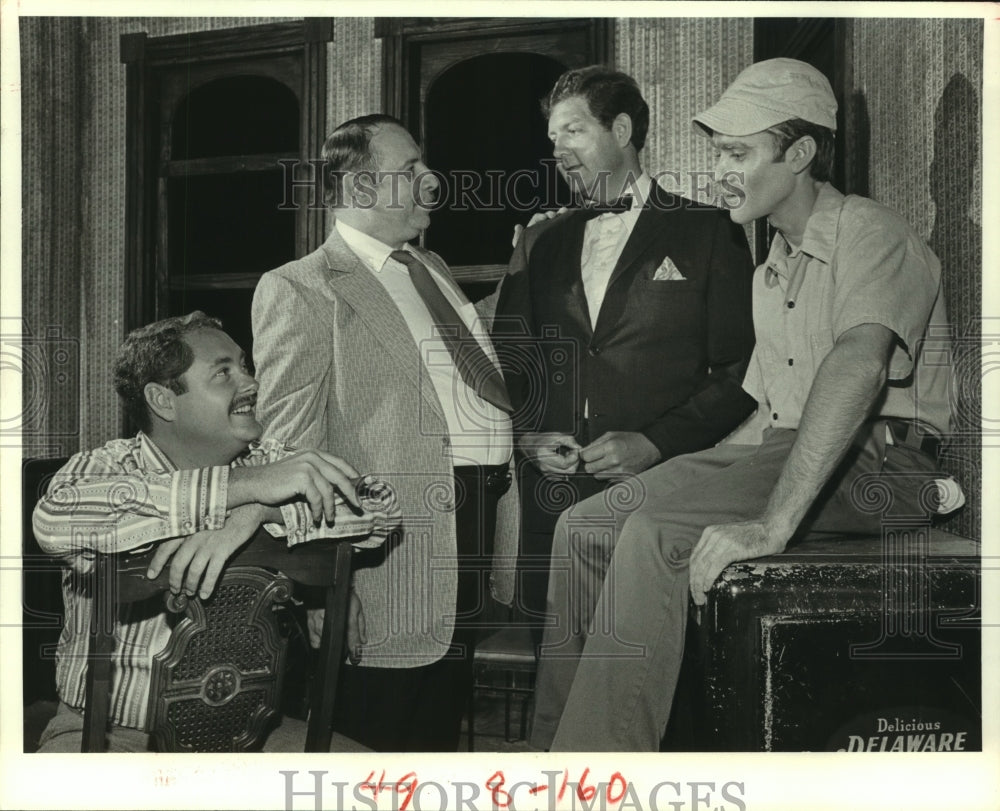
640, 303
368, 345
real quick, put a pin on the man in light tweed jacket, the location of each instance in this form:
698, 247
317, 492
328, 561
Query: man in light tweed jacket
368, 345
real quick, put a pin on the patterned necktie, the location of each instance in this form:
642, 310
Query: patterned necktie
473, 364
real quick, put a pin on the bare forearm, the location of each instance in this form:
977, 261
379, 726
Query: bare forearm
848, 383
242, 489
251, 516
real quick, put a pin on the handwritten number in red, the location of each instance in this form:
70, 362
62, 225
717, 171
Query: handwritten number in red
501, 799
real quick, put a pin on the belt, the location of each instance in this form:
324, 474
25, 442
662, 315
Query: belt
914, 435
496, 478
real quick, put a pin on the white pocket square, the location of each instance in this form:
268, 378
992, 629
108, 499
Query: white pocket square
668, 272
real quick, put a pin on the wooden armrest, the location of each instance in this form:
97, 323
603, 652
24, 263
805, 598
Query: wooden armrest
311, 564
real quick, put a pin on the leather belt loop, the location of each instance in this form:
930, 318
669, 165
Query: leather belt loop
498, 482
496, 478
905, 432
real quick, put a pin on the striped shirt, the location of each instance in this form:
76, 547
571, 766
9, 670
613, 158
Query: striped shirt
126, 495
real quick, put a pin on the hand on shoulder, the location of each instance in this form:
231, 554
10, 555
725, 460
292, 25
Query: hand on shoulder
540, 216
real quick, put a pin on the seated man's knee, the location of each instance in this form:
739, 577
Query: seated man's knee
652, 537
591, 543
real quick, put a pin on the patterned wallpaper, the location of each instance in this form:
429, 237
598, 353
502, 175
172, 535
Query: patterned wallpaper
682, 66
917, 94
73, 152
914, 118
354, 73
55, 196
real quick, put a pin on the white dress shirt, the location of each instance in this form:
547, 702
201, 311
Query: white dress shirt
479, 432
604, 239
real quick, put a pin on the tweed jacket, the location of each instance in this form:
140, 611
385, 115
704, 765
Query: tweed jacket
339, 370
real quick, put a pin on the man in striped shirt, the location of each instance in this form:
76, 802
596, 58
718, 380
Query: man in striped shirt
196, 481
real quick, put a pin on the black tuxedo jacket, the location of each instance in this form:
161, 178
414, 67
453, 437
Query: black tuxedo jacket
666, 358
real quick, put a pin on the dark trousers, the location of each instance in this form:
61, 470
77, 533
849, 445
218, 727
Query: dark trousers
420, 709
543, 498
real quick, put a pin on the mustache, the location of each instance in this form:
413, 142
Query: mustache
250, 399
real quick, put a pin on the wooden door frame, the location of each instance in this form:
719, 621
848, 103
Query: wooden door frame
143, 56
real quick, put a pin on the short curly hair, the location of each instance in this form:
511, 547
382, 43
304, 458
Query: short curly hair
156, 353
608, 93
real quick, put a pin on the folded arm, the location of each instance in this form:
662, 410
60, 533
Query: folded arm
98, 502
104, 501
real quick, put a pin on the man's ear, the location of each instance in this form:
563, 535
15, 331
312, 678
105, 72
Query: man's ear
346, 181
800, 154
160, 401
360, 189
621, 128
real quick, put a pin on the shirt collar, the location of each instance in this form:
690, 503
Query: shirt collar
371, 251
152, 456
821, 228
640, 189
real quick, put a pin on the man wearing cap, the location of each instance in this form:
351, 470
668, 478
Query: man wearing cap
841, 307
639, 303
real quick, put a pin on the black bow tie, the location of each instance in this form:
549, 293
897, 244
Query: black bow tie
619, 206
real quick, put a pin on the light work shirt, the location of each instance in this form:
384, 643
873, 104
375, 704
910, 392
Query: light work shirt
858, 263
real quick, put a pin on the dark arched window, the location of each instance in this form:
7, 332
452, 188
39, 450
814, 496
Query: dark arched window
211, 114
223, 213
224, 194
468, 90
487, 137
235, 115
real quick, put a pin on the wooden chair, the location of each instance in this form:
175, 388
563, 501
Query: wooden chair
217, 685
509, 652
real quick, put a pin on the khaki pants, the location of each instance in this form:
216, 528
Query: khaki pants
618, 585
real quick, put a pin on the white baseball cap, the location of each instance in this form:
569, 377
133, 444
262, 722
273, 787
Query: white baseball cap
769, 92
